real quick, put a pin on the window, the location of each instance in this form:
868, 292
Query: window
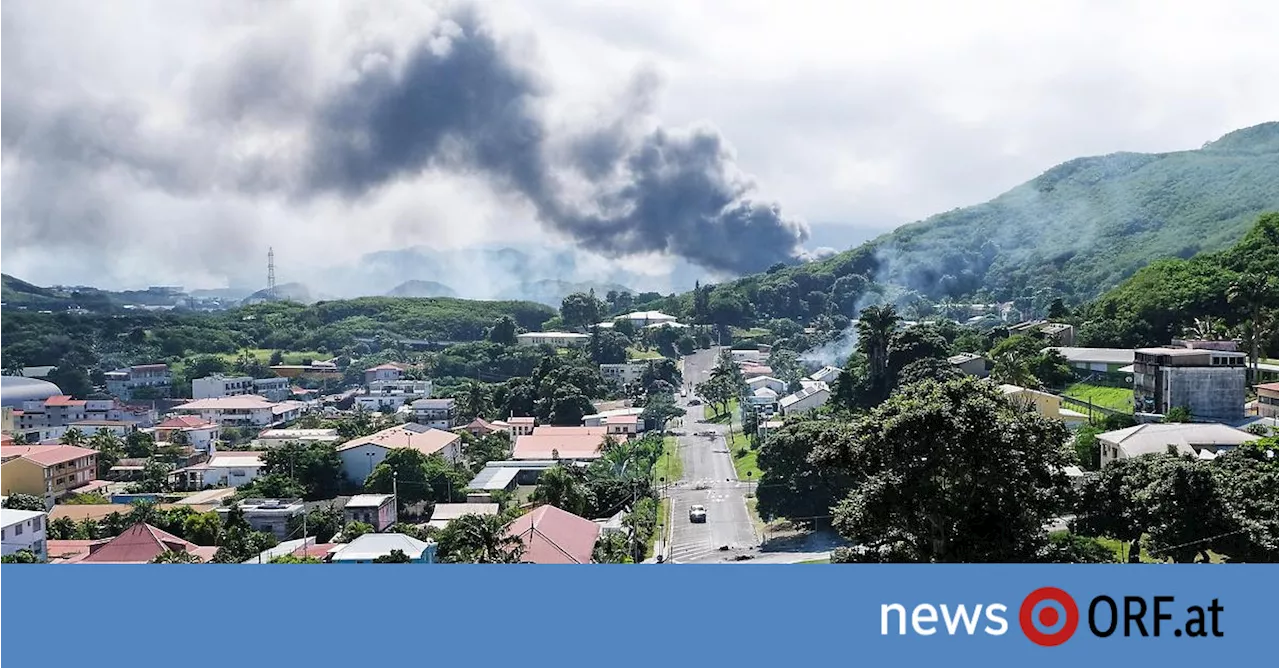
17, 529
35, 524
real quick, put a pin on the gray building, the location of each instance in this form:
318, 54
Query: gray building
269, 515
1208, 383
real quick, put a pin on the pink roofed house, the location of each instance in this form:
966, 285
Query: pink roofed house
139, 544
554, 536
575, 443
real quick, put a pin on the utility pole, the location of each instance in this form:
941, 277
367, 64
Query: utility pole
271, 273
395, 495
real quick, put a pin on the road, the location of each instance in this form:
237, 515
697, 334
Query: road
709, 480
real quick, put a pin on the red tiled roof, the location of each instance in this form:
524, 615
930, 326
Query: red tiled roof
68, 550
47, 455
185, 422
554, 536
62, 400
1274, 387
567, 442
138, 544
319, 550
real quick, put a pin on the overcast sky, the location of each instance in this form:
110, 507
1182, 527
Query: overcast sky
172, 142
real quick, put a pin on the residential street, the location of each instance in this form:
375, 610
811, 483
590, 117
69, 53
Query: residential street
709, 480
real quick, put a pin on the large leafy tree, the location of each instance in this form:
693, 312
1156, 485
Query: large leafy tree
474, 401
875, 327
1250, 488
949, 472
478, 539
503, 331
792, 484
565, 488
316, 467
607, 346
417, 477
581, 310
24, 502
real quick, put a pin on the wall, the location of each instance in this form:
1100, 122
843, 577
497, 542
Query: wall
31, 538
21, 476
1208, 392
356, 464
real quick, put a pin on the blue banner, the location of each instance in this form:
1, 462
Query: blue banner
784, 615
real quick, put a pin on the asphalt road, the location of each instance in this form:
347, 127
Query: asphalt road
709, 480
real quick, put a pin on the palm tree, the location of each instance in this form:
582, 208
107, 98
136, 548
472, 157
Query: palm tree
475, 400
1013, 368
1205, 329
1253, 292
875, 328
562, 488
480, 539
73, 436
176, 557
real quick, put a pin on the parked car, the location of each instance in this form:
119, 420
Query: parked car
697, 514
695, 402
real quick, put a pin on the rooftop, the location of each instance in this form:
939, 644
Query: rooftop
368, 500
805, 393
62, 400
1272, 387
386, 367
138, 544
236, 459
241, 402
647, 315
1156, 438
1097, 355
285, 434
186, 422
10, 517
1188, 352
559, 335
452, 511
493, 477
422, 438
554, 536
567, 442
370, 546
46, 455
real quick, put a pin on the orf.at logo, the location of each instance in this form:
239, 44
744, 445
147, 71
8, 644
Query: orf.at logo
1048, 616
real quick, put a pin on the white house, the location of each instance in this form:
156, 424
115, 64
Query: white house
200, 433
770, 382
218, 385
599, 419
224, 469
360, 456
248, 410
383, 372
625, 372
370, 546
271, 438
806, 399
647, 318
764, 400
24, 530
392, 394
1154, 438
827, 374
436, 413
557, 339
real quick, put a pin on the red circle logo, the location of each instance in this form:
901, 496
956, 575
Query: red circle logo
1042, 621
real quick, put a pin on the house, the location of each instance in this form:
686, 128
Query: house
1044, 403
272, 438
1186, 438
750, 371
508, 474
224, 469
827, 374
125, 383
287, 411
376, 510
246, 410
1060, 333
140, 544
1268, 400
68, 551
641, 319
554, 536
480, 427
218, 385
763, 400
360, 456
270, 515
561, 443
437, 413
623, 426
556, 339
46, 469
806, 399
1208, 383
198, 432
599, 419
444, 513
384, 372
315, 370
521, 426
392, 394
751, 355
624, 373
24, 530
970, 364
1107, 360
778, 387
365, 549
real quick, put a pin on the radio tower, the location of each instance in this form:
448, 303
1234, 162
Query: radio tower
271, 273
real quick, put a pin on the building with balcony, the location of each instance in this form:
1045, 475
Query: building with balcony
1208, 383
46, 470
126, 383
436, 413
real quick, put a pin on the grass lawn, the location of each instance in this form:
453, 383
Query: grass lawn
264, 354
664, 514
818, 561
761, 527
669, 465
710, 414
1114, 398
745, 464
637, 354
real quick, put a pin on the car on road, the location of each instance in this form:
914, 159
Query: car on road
684, 393
697, 513
695, 402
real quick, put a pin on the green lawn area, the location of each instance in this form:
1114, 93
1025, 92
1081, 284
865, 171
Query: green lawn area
664, 514
818, 561
637, 354
709, 413
760, 525
1114, 398
264, 354
745, 464
669, 465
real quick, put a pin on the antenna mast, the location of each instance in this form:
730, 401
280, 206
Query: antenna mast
271, 273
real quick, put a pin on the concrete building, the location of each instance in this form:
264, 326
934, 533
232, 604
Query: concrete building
779, 388
556, 339
624, 373
124, 383
376, 510
623, 426
1106, 360
360, 456
1044, 403
392, 394
827, 374
1186, 438
233, 468
247, 410
1208, 383
562, 443
764, 401
198, 432
806, 399
273, 438
970, 364
270, 515
521, 426
46, 470
218, 385
24, 530
436, 413
1268, 400
274, 389
383, 372
369, 547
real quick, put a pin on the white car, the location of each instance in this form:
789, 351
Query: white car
697, 514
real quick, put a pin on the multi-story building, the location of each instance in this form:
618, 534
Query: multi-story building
624, 373
557, 339
1268, 399
124, 383
275, 389
270, 515
436, 413
521, 426
383, 372
1208, 383
376, 510
24, 530
218, 385
247, 410
200, 433
43, 470
392, 394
